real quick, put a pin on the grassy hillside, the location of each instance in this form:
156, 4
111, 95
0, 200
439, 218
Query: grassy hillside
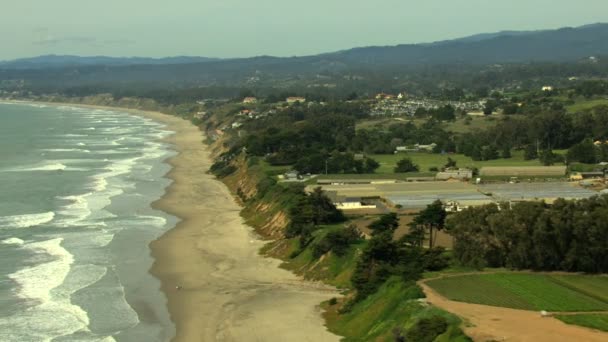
396, 305
527, 291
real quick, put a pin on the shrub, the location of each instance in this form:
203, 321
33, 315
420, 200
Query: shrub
427, 329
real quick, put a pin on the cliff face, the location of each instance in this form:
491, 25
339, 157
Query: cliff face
265, 213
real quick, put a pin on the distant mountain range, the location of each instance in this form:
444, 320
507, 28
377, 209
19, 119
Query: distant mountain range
561, 45
565, 44
57, 61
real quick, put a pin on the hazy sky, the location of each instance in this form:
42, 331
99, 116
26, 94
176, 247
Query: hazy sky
238, 28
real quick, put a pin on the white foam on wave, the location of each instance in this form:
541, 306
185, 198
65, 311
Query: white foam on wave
72, 135
12, 241
66, 150
49, 166
50, 313
27, 220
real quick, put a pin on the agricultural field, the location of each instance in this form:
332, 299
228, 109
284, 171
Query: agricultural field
593, 321
525, 291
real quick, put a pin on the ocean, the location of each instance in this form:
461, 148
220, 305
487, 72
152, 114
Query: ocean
76, 186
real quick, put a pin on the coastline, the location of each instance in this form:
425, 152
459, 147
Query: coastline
227, 291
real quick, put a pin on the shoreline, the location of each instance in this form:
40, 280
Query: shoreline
218, 287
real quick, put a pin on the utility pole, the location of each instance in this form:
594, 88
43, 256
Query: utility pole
326, 166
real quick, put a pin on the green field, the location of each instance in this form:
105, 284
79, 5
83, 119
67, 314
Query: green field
528, 291
427, 160
586, 104
593, 321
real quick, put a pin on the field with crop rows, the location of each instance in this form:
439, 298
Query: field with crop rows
527, 291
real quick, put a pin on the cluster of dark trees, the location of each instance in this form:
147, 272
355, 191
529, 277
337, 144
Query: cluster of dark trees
338, 242
406, 165
384, 257
335, 162
588, 152
308, 212
566, 236
321, 138
538, 135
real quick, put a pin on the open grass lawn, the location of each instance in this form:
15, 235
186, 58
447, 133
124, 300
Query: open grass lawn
527, 291
427, 160
593, 321
586, 104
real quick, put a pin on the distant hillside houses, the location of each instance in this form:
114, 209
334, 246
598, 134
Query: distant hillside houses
250, 100
295, 99
392, 106
416, 148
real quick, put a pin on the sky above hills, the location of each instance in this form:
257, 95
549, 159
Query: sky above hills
243, 28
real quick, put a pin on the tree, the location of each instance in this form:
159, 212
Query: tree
547, 158
530, 152
584, 152
432, 219
506, 152
371, 165
406, 165
490, 107
427, 329
510, 109
450, 163
490, 152
386, 223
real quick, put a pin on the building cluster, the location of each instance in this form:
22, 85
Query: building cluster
398, 105
416, 148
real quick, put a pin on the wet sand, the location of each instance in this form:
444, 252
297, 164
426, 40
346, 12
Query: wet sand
227, 291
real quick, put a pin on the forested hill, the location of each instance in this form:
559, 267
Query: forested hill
566, 44
57, 61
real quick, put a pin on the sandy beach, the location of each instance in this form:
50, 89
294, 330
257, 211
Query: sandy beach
228, 292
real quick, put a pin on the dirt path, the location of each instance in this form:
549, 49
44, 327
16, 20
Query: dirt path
489, 323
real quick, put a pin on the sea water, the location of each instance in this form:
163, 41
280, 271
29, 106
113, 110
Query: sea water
76, 186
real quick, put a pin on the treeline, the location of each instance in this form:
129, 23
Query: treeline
541, 132
567, 236
317, 138
384, 257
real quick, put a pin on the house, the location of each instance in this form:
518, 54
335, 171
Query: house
295, 99
461, 174
547, 88
249, 100
428, 148
200, 115
236, 124
351, 203
291, 175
